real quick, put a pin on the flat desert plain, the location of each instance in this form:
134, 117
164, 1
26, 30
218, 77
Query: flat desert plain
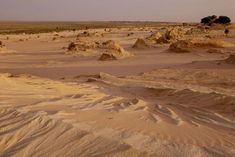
160, 91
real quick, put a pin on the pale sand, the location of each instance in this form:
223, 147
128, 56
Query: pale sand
165, 104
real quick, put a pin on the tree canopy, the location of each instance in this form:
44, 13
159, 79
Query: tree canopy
209, 20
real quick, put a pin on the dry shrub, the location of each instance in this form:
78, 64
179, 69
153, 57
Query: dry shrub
170, 36
175, 34
115, 49
81, 47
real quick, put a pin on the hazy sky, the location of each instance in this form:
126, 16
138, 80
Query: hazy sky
112, 10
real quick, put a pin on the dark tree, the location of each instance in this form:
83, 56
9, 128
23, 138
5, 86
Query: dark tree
223, 20
209, 20
206, 20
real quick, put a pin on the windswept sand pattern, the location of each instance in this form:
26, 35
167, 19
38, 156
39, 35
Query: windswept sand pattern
114, 117
27, 134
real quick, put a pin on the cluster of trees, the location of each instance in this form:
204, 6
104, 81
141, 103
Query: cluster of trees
209, 20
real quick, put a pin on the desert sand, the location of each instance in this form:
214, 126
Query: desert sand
153, 91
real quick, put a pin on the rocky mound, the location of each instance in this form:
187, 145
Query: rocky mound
114, 48
80, 47
171, 35
230, 59
181, 46
141, 44
154, 37
87, 48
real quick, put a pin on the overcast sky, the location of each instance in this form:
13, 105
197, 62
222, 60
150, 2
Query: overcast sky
114, 10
